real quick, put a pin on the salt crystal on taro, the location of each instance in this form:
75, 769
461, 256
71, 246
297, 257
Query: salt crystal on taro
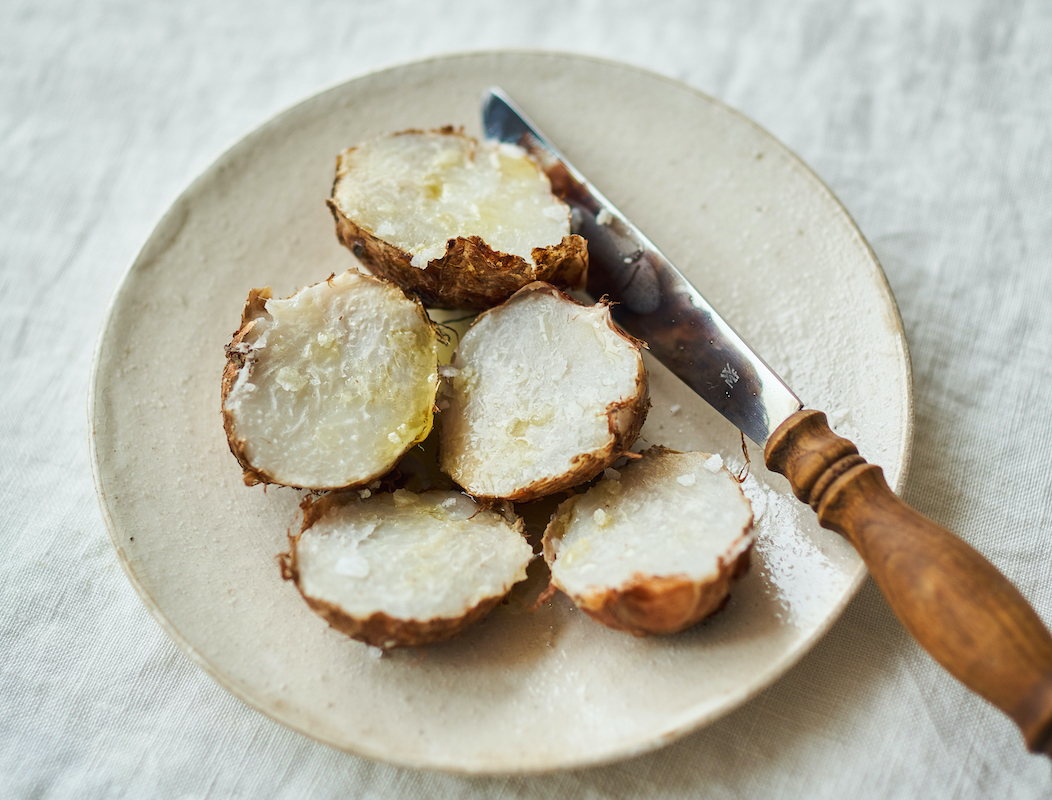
714, 463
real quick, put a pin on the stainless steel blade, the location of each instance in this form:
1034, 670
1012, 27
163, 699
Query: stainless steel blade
652, 299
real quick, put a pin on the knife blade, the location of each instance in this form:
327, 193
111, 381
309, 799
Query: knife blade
956, 604
654, 302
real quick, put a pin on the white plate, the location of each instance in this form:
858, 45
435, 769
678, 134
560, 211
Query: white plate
747, 222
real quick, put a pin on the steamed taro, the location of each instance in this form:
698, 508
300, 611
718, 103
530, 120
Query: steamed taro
404, 569
456, 222
542, 394
652, 548
331, 386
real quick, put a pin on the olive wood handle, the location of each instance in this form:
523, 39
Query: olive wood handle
953, 601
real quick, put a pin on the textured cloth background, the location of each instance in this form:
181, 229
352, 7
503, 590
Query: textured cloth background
932, 123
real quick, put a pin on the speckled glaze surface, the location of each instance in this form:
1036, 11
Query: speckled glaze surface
746, 221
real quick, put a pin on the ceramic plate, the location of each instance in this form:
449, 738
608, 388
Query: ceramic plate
746, 221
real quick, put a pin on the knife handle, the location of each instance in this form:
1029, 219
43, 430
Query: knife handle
954, 602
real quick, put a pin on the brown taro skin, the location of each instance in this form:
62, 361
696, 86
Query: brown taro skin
388, 633
255, 307
658, 606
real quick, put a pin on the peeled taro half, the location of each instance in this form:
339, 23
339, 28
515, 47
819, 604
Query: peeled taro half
457, 222
330, 387
652, 548
543, 393
404, 569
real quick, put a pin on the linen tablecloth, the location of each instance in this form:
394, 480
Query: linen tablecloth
931, 122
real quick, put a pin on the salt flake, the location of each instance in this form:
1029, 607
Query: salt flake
714, 463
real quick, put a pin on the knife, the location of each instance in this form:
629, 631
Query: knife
956, 604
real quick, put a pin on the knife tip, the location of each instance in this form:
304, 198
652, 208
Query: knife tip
494, 94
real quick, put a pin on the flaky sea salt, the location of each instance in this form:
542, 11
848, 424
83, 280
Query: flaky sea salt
759, 505
425, 256
688, 479
290, 380
714, 463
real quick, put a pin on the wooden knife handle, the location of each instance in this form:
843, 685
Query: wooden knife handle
953, 601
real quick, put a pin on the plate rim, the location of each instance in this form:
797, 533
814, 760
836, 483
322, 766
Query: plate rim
244, 693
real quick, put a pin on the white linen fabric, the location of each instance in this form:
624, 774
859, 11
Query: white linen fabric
933, 124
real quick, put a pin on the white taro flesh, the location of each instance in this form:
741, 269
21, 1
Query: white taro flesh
543, 393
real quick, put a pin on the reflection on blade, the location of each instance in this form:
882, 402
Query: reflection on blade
653, 301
